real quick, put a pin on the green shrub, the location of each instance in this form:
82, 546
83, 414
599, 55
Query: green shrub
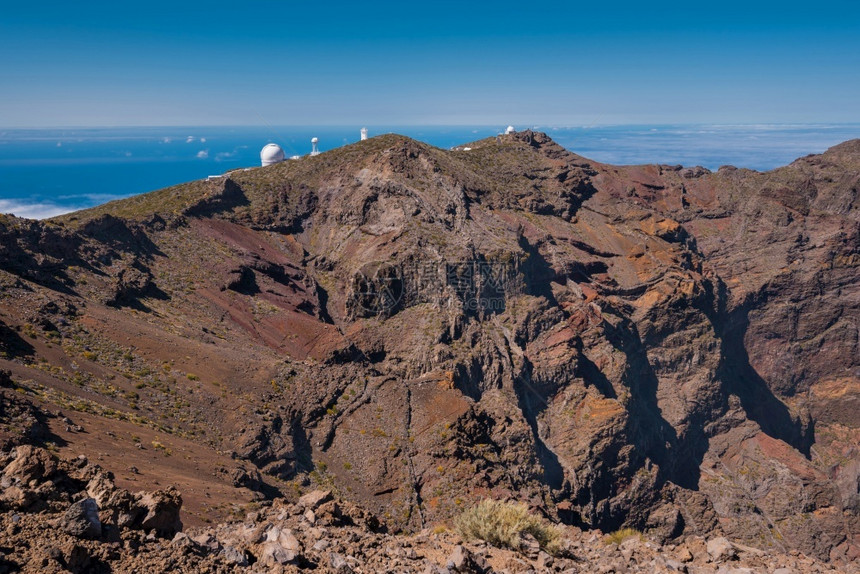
502, 524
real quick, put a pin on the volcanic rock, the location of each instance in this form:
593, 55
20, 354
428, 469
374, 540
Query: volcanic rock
650, 347
82, 519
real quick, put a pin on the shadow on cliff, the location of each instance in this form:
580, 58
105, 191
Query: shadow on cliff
742, 380
229, 197
25, 417
532, 402
40, 254
122, 236
301, 447
531, 397
651, 437
13, 345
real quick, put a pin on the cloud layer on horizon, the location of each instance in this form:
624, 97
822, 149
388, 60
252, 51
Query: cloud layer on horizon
34, 210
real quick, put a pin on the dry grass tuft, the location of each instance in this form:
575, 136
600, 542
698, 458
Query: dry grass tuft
620, 536
502, 524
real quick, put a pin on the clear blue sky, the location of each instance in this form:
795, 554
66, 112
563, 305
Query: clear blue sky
440, 62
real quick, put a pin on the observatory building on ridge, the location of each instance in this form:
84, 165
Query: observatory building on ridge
271, 154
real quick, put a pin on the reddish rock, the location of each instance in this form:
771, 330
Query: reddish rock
663, 348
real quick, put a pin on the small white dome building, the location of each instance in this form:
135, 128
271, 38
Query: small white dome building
271, 154
510, 130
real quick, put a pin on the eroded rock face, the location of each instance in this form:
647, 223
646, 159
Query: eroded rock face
663, 348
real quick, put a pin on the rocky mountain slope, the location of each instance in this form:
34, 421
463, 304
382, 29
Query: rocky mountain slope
654, 347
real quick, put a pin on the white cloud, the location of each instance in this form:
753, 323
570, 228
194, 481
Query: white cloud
166, 140
202, 140
40, 210
189, 139
89, 199
203, 154
222, 155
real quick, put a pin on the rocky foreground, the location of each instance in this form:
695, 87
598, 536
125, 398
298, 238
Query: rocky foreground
69, 516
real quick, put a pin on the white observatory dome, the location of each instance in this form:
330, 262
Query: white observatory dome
510, 130
271, 153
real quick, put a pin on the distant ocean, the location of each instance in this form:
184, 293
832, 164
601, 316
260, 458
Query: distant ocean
46, 172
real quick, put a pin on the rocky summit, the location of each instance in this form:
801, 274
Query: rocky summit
323, 364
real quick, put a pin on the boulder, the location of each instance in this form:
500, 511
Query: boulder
314, 499
18, 498
720, 549
234, 556
284, 537
161, 511
101, 487
30, 464
273, 554
207, 541
462, 559
183, 541
118, 506
82, 519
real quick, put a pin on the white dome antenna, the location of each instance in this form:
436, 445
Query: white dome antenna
314, 149
271, 154
510, 130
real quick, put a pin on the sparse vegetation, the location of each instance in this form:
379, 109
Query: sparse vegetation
157, 445
504, 523
620, 536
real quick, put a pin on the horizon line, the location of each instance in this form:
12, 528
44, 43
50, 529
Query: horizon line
441, 125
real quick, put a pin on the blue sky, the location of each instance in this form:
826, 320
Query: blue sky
527, 63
